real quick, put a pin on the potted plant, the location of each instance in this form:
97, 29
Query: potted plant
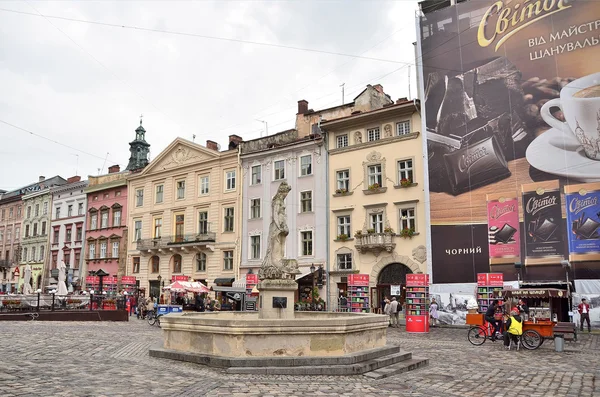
358, 234
342, 237
388, 230
341, 191
370, 231
407, 232
374, 186
405, 182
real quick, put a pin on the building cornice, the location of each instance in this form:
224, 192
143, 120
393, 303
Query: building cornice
383, 141
352, 121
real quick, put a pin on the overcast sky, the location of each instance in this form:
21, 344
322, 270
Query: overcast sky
85, 85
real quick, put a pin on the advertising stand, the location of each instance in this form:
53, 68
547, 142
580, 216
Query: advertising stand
358, 293
489, 287
417, 303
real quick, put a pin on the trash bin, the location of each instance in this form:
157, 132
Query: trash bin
559, 342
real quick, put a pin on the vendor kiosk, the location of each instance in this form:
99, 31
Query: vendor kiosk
417, 303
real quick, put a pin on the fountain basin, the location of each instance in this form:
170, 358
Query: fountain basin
243, 334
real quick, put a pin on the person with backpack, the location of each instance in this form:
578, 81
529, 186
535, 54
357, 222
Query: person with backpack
394, 318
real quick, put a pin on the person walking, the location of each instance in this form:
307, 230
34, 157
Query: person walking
584, 314
394, 320
387, 309
433, 312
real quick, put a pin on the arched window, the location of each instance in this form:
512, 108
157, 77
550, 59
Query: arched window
201, 262
155, 264
176, 260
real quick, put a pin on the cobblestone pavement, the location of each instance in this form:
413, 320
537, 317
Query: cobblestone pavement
111, 359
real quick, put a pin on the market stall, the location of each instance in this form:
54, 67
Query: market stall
545, 304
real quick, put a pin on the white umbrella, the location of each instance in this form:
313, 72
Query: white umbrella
62, 287
27, 290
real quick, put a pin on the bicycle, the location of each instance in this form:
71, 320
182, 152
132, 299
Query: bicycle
478, 334
154, 318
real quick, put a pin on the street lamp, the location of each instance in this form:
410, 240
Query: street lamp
159, 278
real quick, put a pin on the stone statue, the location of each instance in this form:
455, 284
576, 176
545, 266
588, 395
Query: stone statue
357, 137
274, 265
27, 290
62, 287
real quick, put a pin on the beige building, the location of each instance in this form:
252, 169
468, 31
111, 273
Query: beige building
184, 216
377, 210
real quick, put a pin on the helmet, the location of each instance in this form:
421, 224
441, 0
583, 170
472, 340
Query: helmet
514, 311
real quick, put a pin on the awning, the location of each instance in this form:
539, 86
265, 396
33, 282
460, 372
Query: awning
218, 288
239, 284
535, 293
304, 272
224, 280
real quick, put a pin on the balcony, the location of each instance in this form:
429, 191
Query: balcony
5, 263
183, 242
374, 242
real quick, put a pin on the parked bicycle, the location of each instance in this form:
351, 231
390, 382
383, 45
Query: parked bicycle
154, 318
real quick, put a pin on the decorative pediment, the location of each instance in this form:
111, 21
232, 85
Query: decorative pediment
104, 208
179, 153
116, 206
92, 209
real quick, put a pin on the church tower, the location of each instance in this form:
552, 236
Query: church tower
139, 150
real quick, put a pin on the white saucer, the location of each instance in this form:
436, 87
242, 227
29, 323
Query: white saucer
561, 154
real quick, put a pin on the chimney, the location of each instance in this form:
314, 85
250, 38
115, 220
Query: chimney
114, 168
302, 106
402, 100
212, 145
73, 179
379, 88
234, 141
42, 178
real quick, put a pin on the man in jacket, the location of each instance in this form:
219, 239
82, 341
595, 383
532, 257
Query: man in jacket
514, 328
584, 314
489, 317
394, 320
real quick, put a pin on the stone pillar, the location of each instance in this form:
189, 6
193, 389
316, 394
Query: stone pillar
272, 295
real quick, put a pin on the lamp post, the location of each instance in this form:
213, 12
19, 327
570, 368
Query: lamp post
159, 278
91, 299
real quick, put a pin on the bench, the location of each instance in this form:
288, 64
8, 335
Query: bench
566, 329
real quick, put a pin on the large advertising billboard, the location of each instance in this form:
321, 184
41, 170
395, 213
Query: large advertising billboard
511, 113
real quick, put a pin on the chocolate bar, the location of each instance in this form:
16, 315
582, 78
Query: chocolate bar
545, 230
506, 233
588, 228
476, 165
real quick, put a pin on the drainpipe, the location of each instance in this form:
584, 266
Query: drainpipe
327, 242
238, 241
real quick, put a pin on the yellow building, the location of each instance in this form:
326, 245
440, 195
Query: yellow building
376, 199
184, 216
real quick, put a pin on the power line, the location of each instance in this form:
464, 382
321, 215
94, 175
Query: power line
201, 36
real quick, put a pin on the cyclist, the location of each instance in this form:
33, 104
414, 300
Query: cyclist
514, 328
490, 318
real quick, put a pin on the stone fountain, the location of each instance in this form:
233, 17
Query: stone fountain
278, 340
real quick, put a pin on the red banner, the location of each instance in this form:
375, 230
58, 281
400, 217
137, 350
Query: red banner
128, 280
109, 280
417, 280
180, 278
251, 279
358, 280
92, 280
490, 279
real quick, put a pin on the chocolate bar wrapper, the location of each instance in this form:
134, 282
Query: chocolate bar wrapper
476, 165
542, 211
583, 217
504, 239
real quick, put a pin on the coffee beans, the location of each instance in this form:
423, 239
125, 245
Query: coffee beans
537, 92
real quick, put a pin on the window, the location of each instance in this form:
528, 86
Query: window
43, 231
79, 233
343, 225
139, 197
70, 210
227, 260
374, 172
155, 264
376, 222
279, 170
157, 228
1, 236
24, 254
230, 180
3, 213
37, 210
77, 259
105, 195
204, 185
54, 259
202, 222
306, 165
115, 249
407, 218
69, 236
341, 141
28, 212
228, 219
306, 238
26, 230
80, 209
57, 212
11, 212
67, 258
8, 237
118, 193
180, 190
201, 262
159, 194
94, 221
137, 234
35, 230
343, 180
17, 233
116, 217
92, 250
256, 174
104, 220
55, 237
405, 170
306, 201
344, 261
177, 263
45, 208
255, 208
373, 134
254, 247
41, 253
136, 264
33, 257
103, 247
18, 211
403, 128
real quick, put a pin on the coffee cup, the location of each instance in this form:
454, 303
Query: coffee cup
580, 103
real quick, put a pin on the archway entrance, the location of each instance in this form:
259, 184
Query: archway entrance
393, 274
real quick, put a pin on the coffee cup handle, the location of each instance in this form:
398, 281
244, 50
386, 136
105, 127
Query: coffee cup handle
550, 119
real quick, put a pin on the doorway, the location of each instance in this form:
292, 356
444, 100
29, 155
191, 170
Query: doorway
154, 288
393, 274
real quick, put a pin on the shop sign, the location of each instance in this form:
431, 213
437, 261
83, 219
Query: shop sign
417, 280
92, 280
179, 278
128, 280
251, 279
395, 290
109, 280
490, 279
358, 280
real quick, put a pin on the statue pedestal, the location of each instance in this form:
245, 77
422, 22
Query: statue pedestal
276, 299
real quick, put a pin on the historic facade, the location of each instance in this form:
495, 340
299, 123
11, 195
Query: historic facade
299, 161
67, 230
377, 210
11, 216
184, 215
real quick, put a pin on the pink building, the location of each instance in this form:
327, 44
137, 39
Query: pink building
106, 229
